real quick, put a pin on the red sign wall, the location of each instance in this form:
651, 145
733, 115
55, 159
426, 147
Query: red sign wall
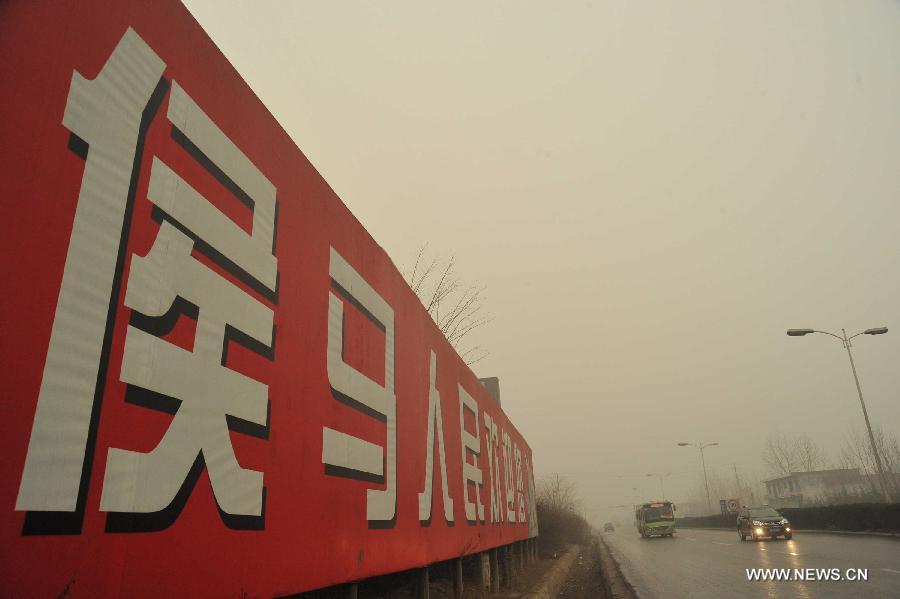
215, 381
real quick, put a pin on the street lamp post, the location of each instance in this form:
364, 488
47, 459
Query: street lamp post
637, 493
846, 341
661, 487
701, 447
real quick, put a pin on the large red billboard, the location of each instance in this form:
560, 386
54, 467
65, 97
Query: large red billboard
215, 382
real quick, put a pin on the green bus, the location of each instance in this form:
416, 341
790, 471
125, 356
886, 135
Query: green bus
655, 519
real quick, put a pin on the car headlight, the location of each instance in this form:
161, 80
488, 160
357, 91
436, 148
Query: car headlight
784, 521
757, 523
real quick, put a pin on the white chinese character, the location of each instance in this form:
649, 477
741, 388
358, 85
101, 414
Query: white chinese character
209, 391
106, 113
491, 439
347, 455
471, 444
509, 477
435, 426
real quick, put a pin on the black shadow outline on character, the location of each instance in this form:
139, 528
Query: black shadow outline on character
219, 175
246, 522
159, 215
358, 305
385, 524
161, 326
130, 522
388, 524
78, 146
239, 425
251, 429
152, 400
70, 523
127, 522
343, 397
427, 523
352, 474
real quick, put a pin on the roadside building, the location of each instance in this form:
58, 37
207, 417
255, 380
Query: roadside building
818, 487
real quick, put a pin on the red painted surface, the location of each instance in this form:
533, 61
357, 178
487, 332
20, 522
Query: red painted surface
315, 529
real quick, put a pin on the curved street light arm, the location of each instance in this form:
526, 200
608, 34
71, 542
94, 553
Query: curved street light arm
833, 335
856, 335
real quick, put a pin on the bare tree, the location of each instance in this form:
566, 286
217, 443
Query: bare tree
558, 493
457, 308
810, 456
857, 453
783, 455
777, 456
559, 514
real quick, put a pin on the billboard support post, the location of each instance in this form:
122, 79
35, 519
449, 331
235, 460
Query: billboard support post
422, 590
495, 571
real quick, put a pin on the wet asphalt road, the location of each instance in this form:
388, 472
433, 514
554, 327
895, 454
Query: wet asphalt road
712, 563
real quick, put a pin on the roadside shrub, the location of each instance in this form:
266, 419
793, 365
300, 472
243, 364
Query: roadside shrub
560, 528
559, 519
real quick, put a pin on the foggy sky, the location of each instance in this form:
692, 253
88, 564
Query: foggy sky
653, 192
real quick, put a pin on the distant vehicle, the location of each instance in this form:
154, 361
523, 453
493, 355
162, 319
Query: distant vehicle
655, 519
608, 527
762, 521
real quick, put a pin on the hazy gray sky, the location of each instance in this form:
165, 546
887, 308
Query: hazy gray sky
653, 192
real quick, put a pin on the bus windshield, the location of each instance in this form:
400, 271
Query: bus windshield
655, 513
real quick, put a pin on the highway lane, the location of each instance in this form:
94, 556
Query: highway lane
713, 563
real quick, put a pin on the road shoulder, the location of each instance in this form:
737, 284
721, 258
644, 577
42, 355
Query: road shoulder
616, 584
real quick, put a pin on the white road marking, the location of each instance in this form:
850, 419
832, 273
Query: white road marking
889, 570
718, 543
792, 553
